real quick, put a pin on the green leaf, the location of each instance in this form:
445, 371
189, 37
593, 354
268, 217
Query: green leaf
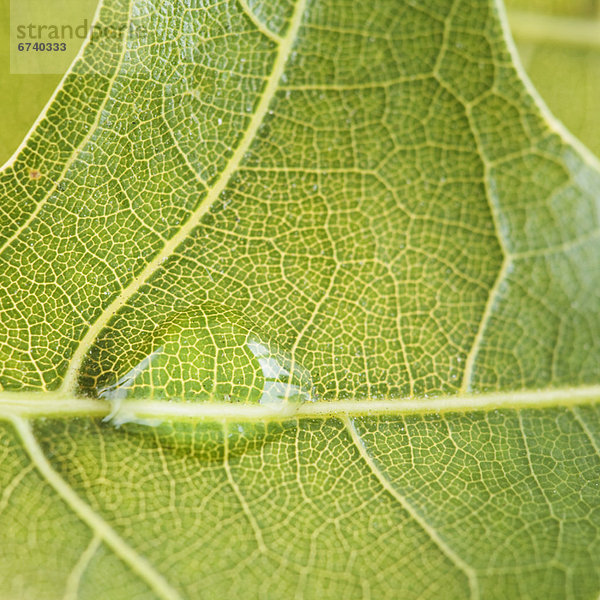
362, 209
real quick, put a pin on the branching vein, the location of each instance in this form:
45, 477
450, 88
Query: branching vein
96, 523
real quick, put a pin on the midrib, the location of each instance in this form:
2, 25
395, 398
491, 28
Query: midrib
70, 380
62, 405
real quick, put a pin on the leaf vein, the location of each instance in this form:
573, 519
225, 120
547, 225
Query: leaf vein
95, 522
77, 150
70, 380
414, 514
274, 37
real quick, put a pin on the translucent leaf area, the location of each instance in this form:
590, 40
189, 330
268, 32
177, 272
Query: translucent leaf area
299, 300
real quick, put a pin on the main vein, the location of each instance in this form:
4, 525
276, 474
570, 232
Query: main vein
283, 52
60, 405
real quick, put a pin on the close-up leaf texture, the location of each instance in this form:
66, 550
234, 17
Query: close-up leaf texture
299, 299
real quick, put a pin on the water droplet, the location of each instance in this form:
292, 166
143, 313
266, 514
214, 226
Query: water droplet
199, 356
211, 353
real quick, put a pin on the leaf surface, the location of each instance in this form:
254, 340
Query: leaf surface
365, 199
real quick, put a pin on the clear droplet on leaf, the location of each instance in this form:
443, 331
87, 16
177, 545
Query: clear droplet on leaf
208, 354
